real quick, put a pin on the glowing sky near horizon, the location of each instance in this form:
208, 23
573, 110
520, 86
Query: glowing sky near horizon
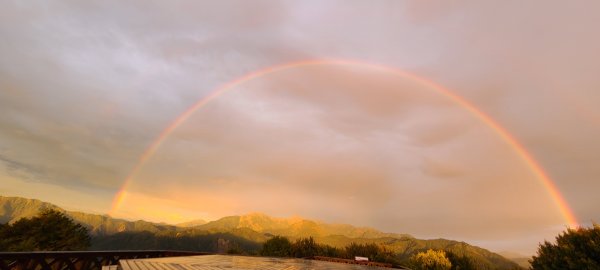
86, 87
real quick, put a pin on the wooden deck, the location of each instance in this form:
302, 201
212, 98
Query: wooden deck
78, 260
339, 260
218, 262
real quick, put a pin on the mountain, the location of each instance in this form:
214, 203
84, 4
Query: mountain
106, 225
341, 235
245, 232
15, 208
192, 223
294, 227
520, 259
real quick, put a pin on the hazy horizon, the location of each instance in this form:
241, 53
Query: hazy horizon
88, 91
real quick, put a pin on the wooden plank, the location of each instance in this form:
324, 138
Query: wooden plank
128, 264
124, 265
214, 262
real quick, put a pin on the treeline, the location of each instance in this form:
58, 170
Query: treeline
280, 246
207, 242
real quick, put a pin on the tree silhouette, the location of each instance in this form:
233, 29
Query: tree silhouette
460, 262
50, 230
574, 249
305, 248
277, 246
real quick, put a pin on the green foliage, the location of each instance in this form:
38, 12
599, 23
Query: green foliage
278, 246
50, 230
305, 248
4, 244
405, 247
363, 250
431, 260
329, 251
372, 251
574, 249
235, 249
198, 241
460, 262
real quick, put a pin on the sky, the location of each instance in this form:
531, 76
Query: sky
87, 87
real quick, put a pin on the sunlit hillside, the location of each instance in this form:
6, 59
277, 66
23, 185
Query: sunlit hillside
246, 232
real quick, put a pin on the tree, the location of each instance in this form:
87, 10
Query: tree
50, 230
372, 251
362, 250
3, 236
431, 260
460, 262
574, 249
277, 246
305, 248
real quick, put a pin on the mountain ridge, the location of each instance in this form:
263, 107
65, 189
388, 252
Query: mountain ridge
294, 227
246, 230
15, 208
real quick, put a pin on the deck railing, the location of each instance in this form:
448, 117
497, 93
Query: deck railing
78, 260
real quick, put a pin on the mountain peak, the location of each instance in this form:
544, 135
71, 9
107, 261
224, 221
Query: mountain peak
15, 208
254, 227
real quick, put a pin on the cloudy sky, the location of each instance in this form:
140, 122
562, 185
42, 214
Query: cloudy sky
85, 88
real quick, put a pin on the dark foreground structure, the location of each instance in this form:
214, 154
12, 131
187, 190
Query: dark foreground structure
214, 262
160, 259
78, 260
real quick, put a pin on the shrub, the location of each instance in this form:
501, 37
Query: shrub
574, 249
431, 260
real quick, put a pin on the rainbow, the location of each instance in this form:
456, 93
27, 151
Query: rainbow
559, 200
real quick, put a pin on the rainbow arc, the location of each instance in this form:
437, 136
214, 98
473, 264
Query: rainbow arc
522, 152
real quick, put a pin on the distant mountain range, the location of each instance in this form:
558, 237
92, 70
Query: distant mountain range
15, 208
193, 223
246, 231
293, 227
520, 259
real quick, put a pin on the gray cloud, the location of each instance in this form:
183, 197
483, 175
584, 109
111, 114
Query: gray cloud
21, 170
